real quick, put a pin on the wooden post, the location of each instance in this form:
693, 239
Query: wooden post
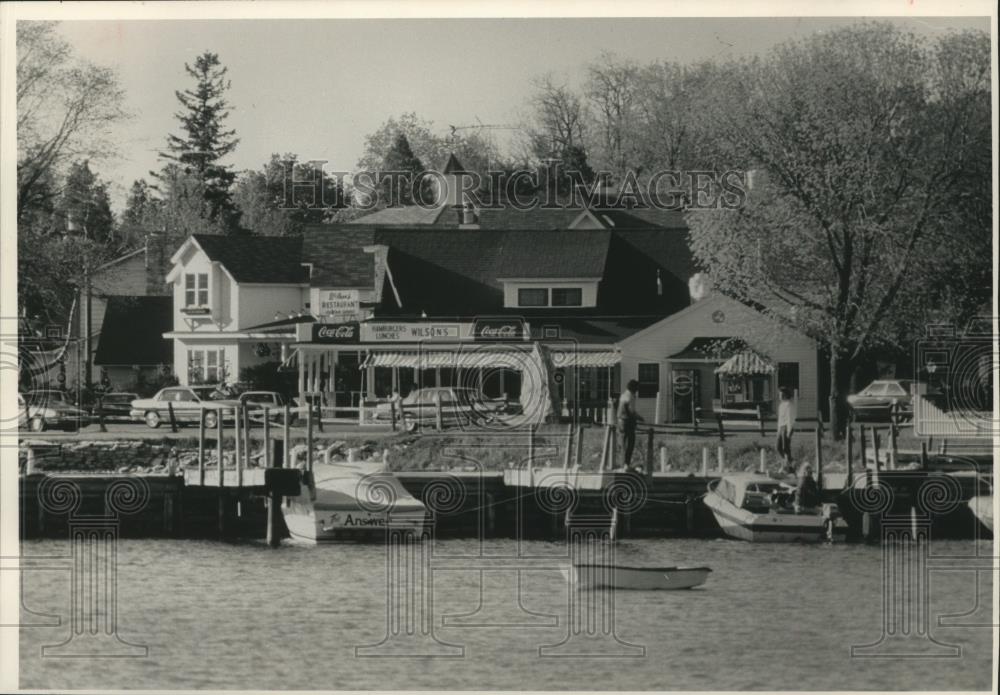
579, 446
722, 432
218, 445
656, 411
531, 444
762, 466
923, 456
319, 411
893, 447
438, 420
613, 448
721, 453
649, 453
694, 414
863, 444
240, 443
287, 446
875, 443
704, 462
173, 419
392, 412
760, 419
850, 455
663, 459
568, 453
246, 434
267, 438
819, 456
201, 448
309, 440
604, 449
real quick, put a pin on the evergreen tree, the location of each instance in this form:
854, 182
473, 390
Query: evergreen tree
84, 207
205, 140
400, 157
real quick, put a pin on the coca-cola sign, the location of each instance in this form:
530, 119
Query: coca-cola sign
335, 332
500, 329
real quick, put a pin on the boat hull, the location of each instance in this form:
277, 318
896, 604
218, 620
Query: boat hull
982, 507
634, 578
772, 527
352, 503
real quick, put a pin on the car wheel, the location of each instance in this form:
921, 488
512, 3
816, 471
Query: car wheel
211, 420
37, 424
153, 419
410, 425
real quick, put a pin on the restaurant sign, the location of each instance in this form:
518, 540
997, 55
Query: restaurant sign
412, 332
336, 332
500, 329
338, 302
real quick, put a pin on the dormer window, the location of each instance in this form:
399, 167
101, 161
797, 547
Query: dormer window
567, 296
195, 290
537, 293
533, 296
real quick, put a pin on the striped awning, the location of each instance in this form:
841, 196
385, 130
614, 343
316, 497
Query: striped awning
458, 359
584, 358
744, 363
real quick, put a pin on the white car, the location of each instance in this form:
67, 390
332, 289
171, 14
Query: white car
187, 402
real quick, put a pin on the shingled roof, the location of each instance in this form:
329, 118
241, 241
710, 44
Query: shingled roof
132, 332
257, 258
338, 256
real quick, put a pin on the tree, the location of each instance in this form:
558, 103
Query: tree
875, 148
612, 88
66, 110
140, 215
271, 205
205, 140
84, 206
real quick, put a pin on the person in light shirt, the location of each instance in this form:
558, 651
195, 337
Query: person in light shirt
786, 425
628, 418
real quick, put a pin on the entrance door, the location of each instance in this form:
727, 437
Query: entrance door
686, 393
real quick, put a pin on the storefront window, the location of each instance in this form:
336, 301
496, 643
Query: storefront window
383, 382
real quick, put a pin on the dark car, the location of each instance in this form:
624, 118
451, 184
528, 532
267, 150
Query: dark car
879, 399
52, 410
114, 406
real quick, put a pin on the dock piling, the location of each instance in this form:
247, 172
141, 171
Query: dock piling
849, 453
762, 466
309, 440
894, 450
201, 448
568, 452
863, 443
704, 462
173, 418
649, 453
579, 446
819, 456
663, 459
222, 463
267, 438
239, 457
287, 429
875, 443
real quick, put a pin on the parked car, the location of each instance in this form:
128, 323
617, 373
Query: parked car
879, 398
47, 410
114, 406
187, 403
273, 400
458, 406
22, 412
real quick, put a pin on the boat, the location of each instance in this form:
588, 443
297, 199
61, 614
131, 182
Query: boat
756, 508
351, 501
982, 507
637, 578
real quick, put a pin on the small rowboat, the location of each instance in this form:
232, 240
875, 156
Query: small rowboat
637, 578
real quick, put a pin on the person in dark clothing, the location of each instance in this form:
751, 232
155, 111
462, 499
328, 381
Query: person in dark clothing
628, 418
807, 494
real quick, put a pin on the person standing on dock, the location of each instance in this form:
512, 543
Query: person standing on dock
628, 418
786, 425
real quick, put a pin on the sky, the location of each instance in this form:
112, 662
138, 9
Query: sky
317, 87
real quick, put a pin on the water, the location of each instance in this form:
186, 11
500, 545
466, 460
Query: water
242, 616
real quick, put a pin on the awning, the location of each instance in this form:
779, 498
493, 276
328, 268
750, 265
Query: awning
584, 358
458, 359
746, 363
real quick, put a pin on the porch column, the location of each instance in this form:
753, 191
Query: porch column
302, 370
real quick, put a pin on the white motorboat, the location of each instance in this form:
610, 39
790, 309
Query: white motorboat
982, 507
351, 501
753, 507
635, 578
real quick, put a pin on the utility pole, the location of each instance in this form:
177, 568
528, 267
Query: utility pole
87, 334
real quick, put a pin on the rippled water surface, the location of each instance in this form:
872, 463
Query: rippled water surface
224, 616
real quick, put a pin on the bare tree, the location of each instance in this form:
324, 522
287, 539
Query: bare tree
612, 88
557, 118
65, 110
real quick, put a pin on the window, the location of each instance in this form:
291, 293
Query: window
567, 296
533, 296
788, 376
206, 366
196, 289
649, 379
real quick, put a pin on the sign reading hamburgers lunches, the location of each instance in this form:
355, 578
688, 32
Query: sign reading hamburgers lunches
336, 332
499, 329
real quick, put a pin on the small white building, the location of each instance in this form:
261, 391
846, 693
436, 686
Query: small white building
678, 360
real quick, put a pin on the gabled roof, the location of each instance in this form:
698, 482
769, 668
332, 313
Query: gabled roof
560, 254
132, 332
338, 256
267, 259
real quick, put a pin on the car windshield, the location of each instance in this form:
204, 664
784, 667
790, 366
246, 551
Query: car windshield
875, 389
899, 388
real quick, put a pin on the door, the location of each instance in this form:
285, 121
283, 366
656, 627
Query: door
686, 391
